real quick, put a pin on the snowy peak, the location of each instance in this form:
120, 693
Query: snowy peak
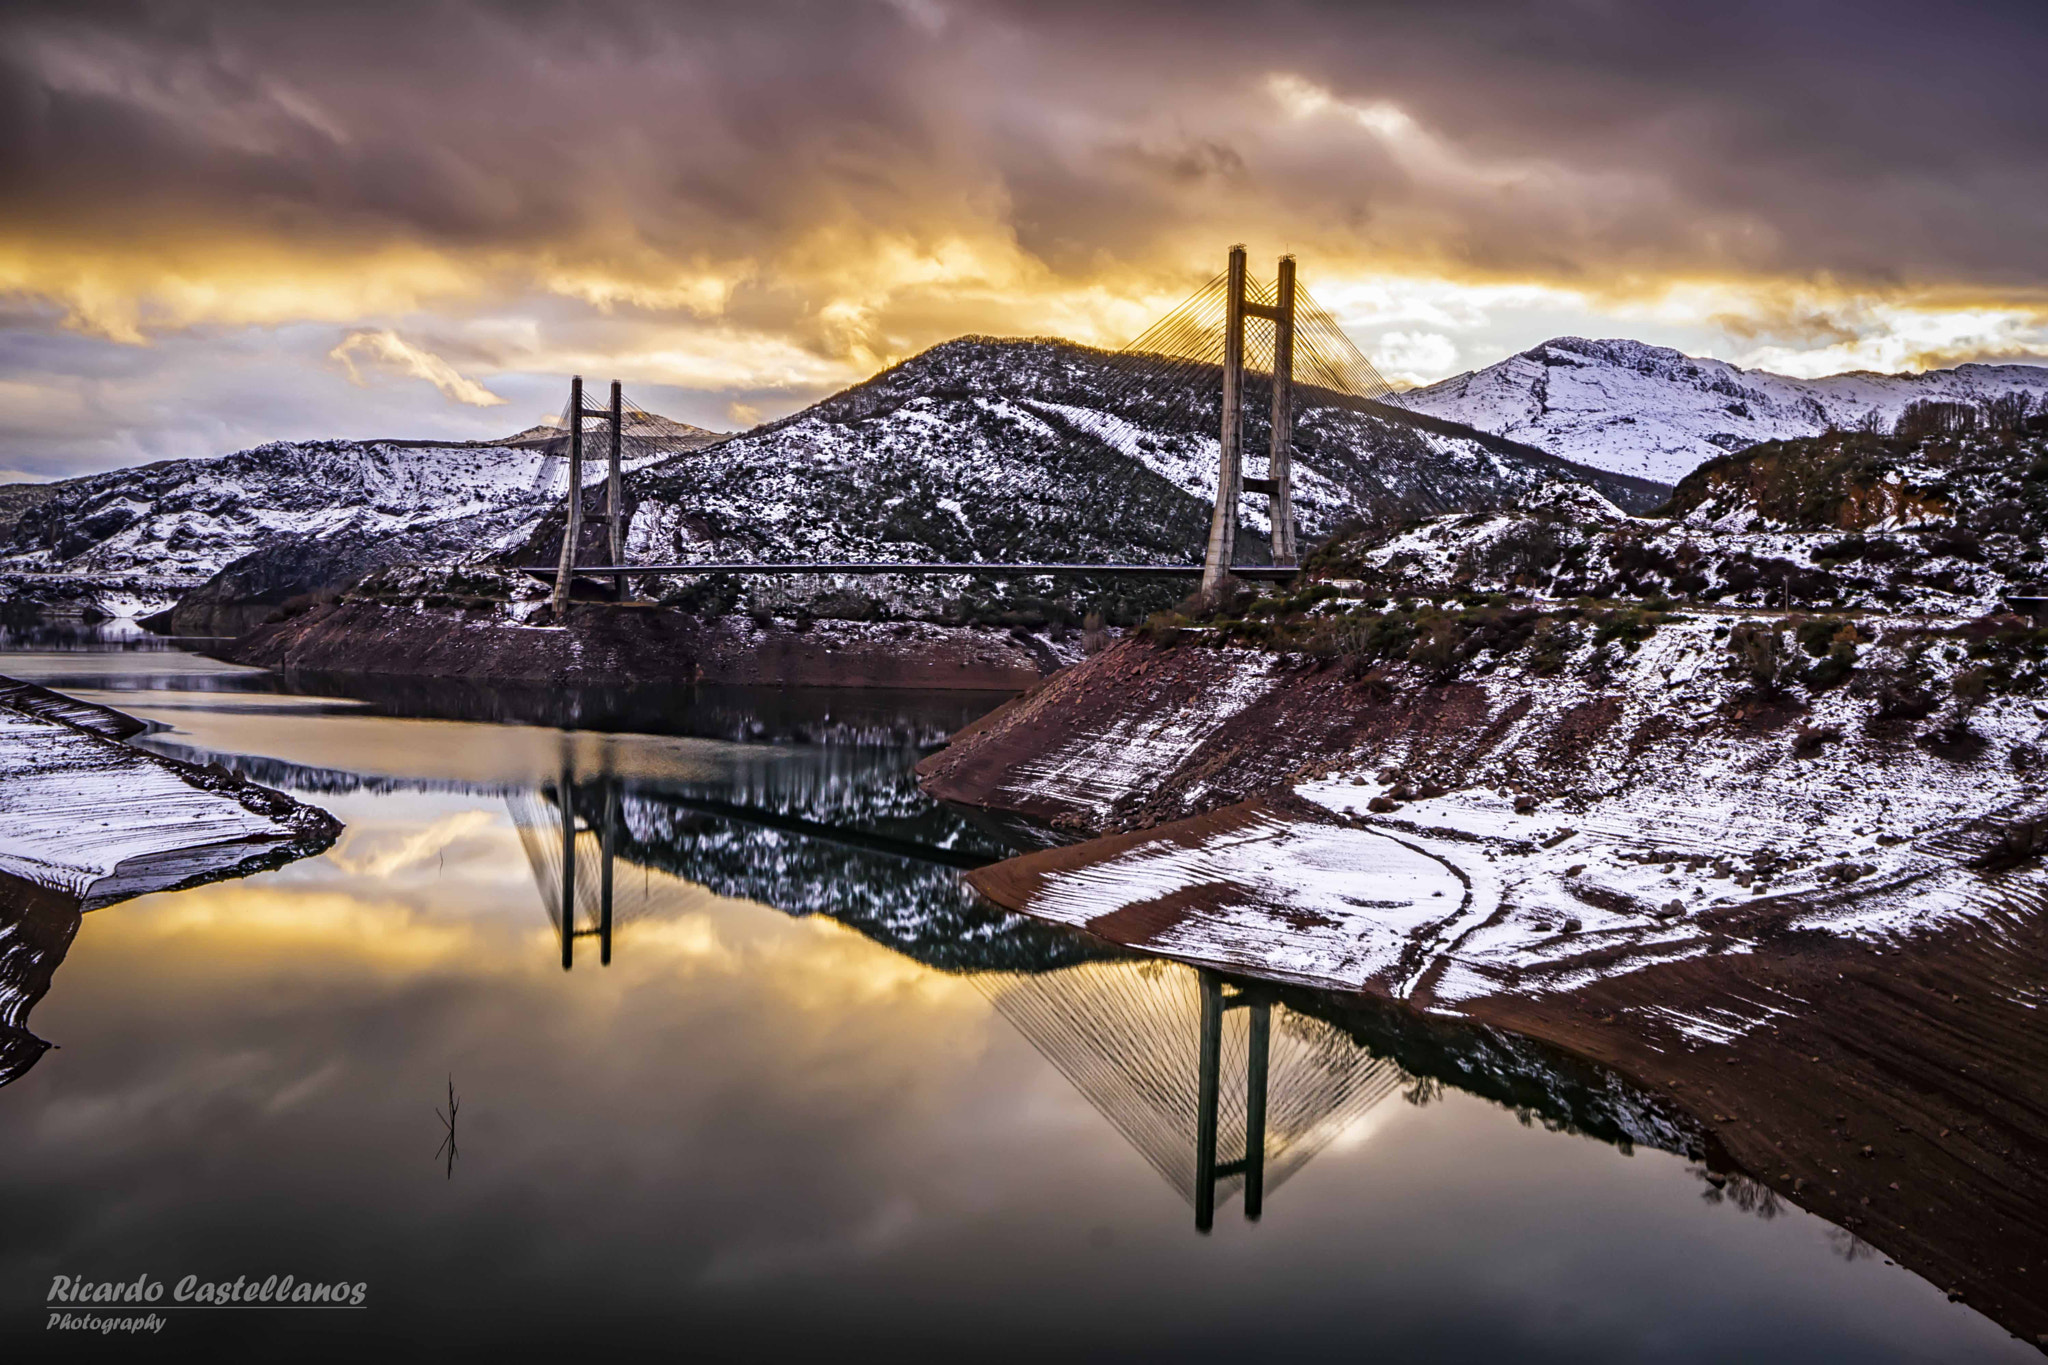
1657, 413
644, 425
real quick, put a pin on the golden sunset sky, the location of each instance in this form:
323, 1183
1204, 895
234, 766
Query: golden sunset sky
229, 223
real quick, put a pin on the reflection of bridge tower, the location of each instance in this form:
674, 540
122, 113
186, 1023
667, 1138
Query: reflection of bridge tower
575, 869
1188, 1068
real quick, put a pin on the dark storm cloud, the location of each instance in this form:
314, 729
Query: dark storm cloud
1884, 140
753, 204
1880, 141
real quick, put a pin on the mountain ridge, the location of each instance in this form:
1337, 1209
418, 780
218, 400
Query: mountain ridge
977, 449
1658, 413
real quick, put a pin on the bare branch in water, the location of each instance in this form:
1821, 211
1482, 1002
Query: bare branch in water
448, 1123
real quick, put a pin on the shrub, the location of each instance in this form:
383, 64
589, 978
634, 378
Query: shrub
1551, 646
1899, 693
716, 595
1762, 655
1164, 628
1839, 660
1971, 686
1438, 649
1630, 625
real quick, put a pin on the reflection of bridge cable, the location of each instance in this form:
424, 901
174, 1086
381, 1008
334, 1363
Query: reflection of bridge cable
1127, 1035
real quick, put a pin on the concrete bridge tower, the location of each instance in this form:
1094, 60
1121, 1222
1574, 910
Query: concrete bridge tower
1231, 483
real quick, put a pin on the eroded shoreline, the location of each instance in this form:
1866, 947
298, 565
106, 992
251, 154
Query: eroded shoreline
1837, 975
610, 645
88, 818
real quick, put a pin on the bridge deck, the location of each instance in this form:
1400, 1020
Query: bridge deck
1268, 572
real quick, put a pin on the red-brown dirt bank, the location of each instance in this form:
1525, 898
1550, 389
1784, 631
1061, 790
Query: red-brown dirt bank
1904, 1096
611, 645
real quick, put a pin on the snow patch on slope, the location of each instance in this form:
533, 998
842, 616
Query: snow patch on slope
1318, 903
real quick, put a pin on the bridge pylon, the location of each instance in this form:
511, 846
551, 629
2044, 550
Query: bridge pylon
572, 528
1231, 483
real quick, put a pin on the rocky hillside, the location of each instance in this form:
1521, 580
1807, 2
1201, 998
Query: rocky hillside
1015, 449
1658, 413
286, 517
1951, 525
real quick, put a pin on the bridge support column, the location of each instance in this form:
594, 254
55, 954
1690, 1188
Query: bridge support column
1258, 1048
573, 526
1222, 552
613, 503
1208, 1094
1207, 1078
568, 801
1280, 465
608, 845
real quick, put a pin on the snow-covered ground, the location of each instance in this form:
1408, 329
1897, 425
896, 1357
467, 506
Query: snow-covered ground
1449, 868
80, 810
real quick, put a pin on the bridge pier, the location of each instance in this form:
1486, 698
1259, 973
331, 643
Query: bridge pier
573, 524
1280, 462
568, 803
613, 499
1208, 1094
608, 844
1222, 551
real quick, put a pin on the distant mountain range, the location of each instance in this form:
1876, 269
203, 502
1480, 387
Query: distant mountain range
644, 425
1658, 414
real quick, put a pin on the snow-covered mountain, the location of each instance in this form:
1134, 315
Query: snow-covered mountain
1657, 413
1021, 450
638, 426
176, 523
194, 517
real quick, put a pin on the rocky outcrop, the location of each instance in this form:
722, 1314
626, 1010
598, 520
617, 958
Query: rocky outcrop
17, 499
36, 928
259, 585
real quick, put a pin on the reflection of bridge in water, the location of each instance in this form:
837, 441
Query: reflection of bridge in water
571, 830
1222, 1086
1218, 1085
1192, 1068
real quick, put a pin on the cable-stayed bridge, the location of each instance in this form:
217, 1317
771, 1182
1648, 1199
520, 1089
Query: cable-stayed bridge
1248, 352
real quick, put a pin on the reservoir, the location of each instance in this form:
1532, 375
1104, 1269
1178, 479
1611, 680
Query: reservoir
739, 1068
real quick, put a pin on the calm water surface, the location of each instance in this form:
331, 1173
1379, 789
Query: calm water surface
816, 1098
